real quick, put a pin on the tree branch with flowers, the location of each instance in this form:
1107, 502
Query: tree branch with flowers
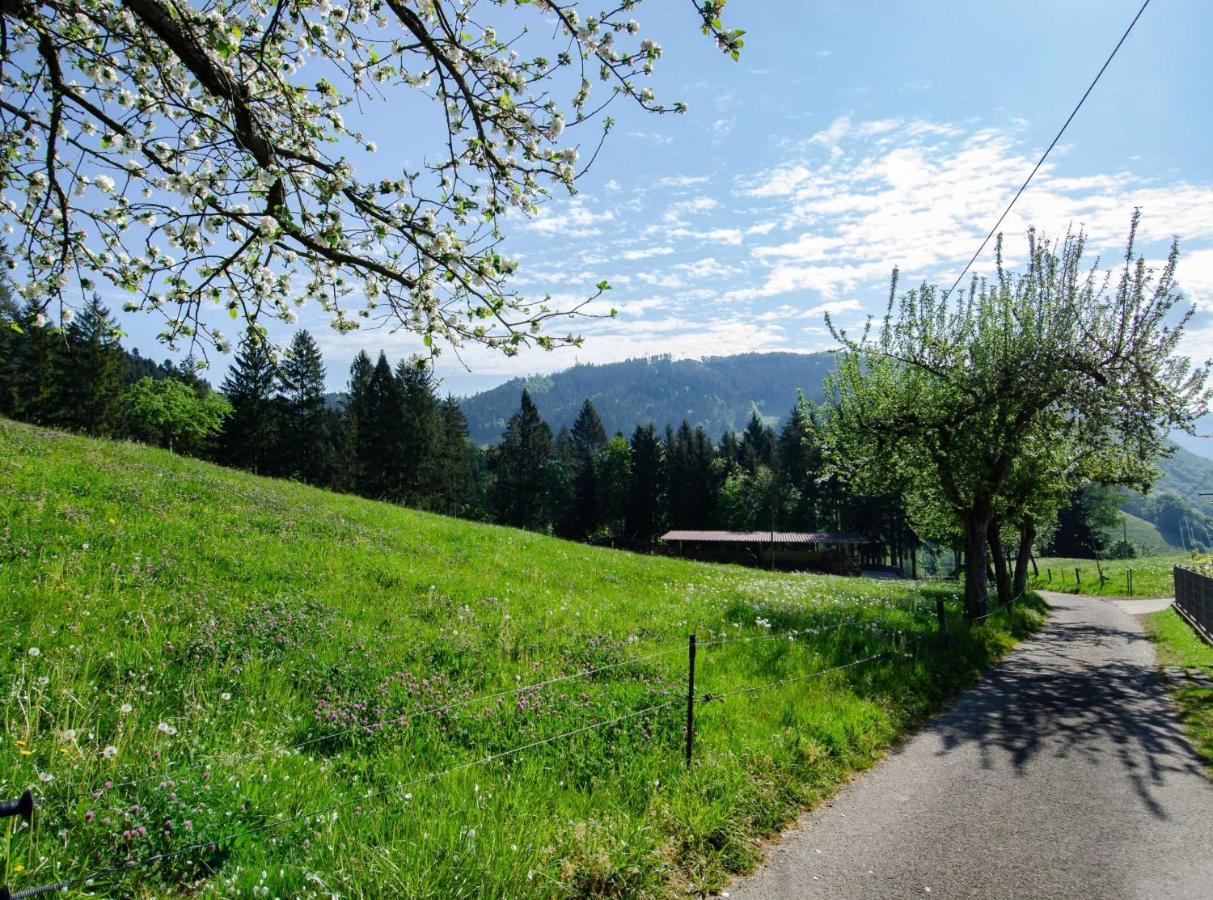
196, 155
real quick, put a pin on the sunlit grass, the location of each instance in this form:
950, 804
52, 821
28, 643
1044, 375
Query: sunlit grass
183, 627
1151, 575
1179, 645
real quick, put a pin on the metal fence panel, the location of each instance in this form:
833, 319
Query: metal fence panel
1194, 599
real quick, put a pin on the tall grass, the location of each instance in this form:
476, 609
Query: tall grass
195, 653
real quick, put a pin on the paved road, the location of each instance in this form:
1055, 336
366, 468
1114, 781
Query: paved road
1063, 773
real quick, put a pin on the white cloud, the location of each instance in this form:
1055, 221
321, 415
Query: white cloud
571, 217
780, 182
681, 180
921, 195
646, 252
677, 212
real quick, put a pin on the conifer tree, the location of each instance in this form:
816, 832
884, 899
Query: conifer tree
458, 464
694, 482
558, 487
587, 439
380, 436
307, 440
757, 444
799, 468
11, 334
88, 374
645, 510
251, 433
614, 473
29, 368
521, 463
421, 434
356, 421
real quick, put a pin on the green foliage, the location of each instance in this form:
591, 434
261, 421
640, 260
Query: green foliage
171, 414
1180, 521
308, 429
252, 433
88, 371
520, 467
250, 615
1084, 523
984, 407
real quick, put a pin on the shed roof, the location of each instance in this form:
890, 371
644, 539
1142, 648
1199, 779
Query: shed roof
767, 537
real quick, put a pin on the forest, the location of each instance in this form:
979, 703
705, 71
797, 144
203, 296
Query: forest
391, 437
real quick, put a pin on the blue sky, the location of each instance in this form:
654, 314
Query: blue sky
850, 138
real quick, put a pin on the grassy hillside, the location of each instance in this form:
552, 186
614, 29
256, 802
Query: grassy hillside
1140, 533
262, 682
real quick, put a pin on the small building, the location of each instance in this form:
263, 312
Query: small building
836, 552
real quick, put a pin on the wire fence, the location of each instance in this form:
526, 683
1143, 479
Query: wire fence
899, 645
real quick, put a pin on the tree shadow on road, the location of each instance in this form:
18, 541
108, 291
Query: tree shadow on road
1053, 699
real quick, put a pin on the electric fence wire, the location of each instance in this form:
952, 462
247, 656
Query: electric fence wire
770, 684
64, 884
372, 727
88, 879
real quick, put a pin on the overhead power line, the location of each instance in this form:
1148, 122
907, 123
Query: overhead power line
1045, 155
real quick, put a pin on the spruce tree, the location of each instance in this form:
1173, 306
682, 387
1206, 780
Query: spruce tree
559, 499
694, 483
250, 435
799, 468
587, 439
614, 477
458, 464
356, 422
380, 436
644, 514
421, 434
11, 335
30, 366
307, 444
521, 463
89, 371
757, 444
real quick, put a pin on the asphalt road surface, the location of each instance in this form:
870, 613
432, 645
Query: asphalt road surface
1063, 773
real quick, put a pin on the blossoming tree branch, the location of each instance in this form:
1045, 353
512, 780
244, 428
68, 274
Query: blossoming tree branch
196, 154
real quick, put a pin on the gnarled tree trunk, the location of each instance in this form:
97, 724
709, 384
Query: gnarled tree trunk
1027, 537
1002, 576
977, 590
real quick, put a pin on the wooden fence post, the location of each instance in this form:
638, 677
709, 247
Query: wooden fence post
690, 698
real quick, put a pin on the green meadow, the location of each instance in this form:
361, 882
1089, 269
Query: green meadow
1152, 575
271, 690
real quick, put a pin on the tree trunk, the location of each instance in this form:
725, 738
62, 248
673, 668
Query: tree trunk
1027, 536
1002, 576
977, 591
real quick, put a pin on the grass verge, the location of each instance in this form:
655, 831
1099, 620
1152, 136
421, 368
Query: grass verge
195, 653
1178, 645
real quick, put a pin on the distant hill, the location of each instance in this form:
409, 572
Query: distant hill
1186, 474
1139, 532
716, 392
720, 392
